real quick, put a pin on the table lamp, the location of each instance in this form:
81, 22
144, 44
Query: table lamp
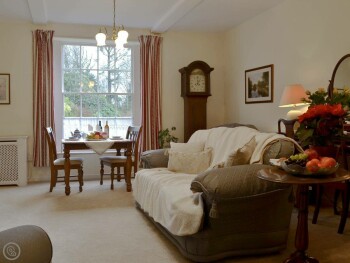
291, 97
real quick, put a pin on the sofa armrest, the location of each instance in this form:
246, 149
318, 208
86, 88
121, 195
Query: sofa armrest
27, 243
225, 189
278, 149
154, 158
233, 182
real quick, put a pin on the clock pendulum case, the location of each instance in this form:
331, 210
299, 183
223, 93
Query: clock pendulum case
195, 89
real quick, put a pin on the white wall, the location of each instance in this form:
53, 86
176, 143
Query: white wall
179, 49
304, 39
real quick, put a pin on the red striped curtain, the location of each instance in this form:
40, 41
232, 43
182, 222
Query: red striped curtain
151, 116
43, 104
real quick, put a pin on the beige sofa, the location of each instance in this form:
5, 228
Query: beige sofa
224, 210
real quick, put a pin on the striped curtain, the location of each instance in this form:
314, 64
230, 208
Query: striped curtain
151, 116
43, 105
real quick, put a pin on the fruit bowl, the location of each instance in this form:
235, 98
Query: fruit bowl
298, 170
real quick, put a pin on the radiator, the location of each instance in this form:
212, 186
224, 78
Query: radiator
13, 160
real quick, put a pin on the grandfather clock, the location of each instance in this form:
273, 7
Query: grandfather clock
195, 89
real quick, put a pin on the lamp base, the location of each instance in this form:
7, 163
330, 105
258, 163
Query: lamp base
293, 114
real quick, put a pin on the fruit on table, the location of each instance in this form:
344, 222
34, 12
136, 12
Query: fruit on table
300, 159
327, 162
94, 135
312, 154
313, 165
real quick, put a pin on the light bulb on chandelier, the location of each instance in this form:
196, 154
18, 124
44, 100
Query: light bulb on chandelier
120, 35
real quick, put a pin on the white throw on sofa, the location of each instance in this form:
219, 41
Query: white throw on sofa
165, 194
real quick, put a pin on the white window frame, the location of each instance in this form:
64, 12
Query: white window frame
58, 43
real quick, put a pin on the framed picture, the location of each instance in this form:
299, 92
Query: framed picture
259, 84
4, 88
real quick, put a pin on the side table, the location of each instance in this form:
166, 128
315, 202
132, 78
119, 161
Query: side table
277, 175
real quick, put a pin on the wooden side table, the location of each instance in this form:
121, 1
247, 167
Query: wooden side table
277, 175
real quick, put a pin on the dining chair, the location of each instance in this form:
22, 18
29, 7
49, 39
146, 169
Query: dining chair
57, 164
119, 161
341, 189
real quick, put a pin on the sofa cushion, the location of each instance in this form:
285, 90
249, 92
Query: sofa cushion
189, 147
189, 162
242, 155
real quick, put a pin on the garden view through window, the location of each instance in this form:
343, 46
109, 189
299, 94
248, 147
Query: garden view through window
97, 86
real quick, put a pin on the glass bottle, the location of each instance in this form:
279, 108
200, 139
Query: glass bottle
106, 129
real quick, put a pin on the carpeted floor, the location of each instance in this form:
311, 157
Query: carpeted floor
100, 225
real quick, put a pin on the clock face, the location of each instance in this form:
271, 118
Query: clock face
197, 81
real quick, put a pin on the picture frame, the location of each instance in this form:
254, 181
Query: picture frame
4, 88
259, 84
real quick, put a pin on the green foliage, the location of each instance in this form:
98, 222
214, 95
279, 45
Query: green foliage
165, 137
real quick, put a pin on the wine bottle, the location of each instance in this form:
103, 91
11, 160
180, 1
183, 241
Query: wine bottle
99, 126
106, 130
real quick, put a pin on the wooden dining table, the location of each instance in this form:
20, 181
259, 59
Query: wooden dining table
69, 145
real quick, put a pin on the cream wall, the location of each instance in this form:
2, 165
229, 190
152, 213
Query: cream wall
179, 49
304, 39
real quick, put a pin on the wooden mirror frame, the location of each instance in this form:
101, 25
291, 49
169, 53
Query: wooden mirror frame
331, 82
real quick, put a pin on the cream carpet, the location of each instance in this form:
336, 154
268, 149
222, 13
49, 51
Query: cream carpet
100, 225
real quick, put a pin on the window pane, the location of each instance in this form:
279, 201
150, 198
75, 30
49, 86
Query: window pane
90, 105
71, 56
88, 57
123, 59
71, 80
122, 82
89, 81
124, 106
71, 105
106, 58
104, 81
108, 105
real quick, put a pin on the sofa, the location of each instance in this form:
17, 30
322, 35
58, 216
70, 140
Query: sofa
204, 195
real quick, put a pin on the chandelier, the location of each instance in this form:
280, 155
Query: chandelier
119, 35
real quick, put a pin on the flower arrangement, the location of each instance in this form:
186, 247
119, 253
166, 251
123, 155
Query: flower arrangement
323, 122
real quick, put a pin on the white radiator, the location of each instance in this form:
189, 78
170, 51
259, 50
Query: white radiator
13, 160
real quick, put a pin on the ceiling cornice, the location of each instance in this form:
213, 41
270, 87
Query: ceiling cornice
174, 14
38, 11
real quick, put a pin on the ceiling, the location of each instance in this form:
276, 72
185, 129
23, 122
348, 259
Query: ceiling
156, 15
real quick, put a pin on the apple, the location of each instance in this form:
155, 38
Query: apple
311, 154
327, 162
313, 165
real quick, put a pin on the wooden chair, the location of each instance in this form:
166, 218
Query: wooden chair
58, 163
134, 134
340, 189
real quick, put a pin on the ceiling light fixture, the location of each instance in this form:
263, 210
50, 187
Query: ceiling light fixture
119, 35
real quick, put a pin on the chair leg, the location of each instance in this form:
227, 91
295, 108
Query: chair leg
101, 173
118, 174
345, 212
80, 179
319, 193
53, 179
112, 177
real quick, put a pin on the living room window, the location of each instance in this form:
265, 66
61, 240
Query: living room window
95, 84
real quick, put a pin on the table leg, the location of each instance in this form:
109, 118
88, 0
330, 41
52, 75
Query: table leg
302, 234
66, 170
128, 169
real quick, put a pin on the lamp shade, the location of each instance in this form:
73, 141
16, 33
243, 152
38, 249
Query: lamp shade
292, 96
